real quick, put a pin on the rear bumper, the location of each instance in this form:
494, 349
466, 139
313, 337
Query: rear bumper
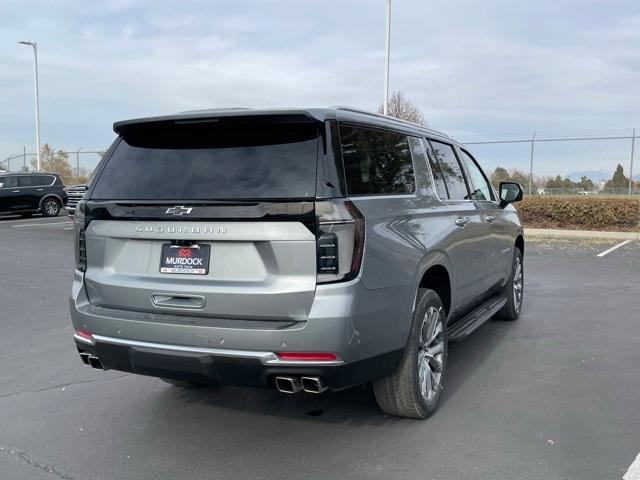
246, 369
365, 329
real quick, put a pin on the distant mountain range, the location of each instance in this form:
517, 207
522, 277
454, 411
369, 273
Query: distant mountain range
596, 175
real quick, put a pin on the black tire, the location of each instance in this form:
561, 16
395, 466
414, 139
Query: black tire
511, 310
401, 394
183, 383
51, 207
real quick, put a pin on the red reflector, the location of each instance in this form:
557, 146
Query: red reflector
307, 356
84, 334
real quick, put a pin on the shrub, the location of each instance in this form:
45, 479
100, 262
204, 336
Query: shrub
588, 213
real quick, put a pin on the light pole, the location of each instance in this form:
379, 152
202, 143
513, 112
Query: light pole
35, 70
78, 162
387, 54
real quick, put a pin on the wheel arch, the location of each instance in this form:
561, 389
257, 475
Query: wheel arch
520, 244
436, 273
50, 195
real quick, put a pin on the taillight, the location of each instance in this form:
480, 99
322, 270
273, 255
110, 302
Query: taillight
306, 356
340, 241
80, 246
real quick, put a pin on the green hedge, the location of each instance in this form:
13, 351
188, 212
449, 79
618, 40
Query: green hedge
587, 213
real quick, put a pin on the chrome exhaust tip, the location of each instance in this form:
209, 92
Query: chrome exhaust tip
288, 384
84, 356
313, 385
95, 362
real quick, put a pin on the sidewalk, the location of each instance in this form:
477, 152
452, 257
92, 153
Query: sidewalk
544, 232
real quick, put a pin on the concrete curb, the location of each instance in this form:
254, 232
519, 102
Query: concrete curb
544, 232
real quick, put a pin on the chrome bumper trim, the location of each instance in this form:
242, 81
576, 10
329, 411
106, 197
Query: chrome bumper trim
84, 340
267, 358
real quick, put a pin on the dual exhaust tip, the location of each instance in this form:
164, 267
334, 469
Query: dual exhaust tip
294, 384
91, 361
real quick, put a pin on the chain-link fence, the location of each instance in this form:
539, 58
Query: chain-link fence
545, 163
74, 166
562, 163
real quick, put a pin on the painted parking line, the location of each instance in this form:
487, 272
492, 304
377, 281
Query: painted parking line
634, 470
615, 247
41, 224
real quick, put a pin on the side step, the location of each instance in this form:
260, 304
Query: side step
467, 324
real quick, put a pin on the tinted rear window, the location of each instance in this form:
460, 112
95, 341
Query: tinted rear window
376, 162
225, 160
36, 181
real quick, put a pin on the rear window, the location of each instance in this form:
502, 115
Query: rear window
376, 162
231, 159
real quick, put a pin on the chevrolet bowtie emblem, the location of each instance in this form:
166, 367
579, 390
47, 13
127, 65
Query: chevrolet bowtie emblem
178, 210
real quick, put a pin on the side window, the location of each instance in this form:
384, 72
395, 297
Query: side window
480, 186
420, 158
376, 162
450, 170
9, 182
438, 178
27, 181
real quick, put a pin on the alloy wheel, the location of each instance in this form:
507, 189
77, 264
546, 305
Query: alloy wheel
517, 285
431, 353
51, 207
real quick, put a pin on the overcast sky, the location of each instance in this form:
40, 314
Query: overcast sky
472, 67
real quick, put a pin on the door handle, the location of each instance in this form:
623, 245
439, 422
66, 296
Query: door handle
39, 189
491, 218
15, 191
462, 221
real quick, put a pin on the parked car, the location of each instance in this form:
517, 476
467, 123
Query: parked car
29, 193
75, 194
301, 250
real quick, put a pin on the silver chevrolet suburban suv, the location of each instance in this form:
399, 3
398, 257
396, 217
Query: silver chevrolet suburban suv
302, 250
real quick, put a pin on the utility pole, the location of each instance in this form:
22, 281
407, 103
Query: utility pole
78, 162
633, 145
35, 70
533, 144
387, 54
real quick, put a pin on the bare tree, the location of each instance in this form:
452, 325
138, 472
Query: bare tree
400, 107
55, 162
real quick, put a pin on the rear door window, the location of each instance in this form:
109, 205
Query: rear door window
450, 171
233, 159
376, 162
441, 187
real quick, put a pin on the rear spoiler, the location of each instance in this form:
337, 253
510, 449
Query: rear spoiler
214, 116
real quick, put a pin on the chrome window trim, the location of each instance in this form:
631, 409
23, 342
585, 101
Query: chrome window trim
30, 186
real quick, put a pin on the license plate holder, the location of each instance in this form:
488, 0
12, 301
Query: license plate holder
185, 260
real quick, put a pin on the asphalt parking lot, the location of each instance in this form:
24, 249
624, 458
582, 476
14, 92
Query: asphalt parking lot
555, 395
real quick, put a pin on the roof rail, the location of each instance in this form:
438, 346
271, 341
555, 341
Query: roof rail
386, 117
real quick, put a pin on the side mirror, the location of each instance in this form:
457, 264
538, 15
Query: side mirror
1, 184
510, 192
